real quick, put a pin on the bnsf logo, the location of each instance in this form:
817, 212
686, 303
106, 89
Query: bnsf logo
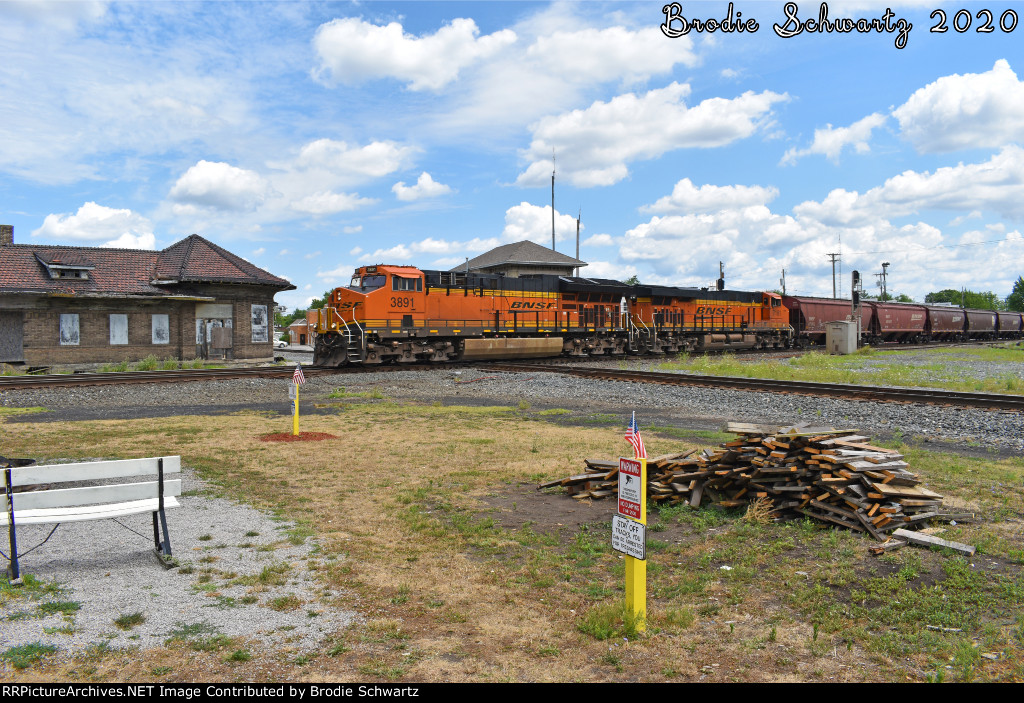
707, 310
531, 306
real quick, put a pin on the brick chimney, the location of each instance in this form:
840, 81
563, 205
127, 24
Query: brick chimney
6, 235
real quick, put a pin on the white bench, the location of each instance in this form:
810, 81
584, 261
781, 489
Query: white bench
95, 499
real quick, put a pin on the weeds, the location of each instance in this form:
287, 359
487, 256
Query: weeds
24, 656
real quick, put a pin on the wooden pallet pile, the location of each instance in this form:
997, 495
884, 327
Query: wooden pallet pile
832, 475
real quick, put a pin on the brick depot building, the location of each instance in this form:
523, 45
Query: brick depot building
81, 305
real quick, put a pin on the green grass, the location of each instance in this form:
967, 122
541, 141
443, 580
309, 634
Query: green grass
375, 394
127, 622
867, 367
5, 411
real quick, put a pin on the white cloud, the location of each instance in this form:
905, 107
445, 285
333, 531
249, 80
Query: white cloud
352, 229
526, 221
965, 111
608, 269
406, 253
599, 240
426, 187
344, 163
220, 186
259, 252
612, 53
593, 146
994, 186
830, 141
326, 203
118, 228
55, 14
687, 198
352, 51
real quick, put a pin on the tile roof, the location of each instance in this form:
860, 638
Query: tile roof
524, 252
118, 272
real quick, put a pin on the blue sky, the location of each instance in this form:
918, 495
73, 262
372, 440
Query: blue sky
312, 138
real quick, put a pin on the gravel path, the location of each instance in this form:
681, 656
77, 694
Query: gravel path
239, 576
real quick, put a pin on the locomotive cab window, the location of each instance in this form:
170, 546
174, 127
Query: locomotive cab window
367, 282
406, 284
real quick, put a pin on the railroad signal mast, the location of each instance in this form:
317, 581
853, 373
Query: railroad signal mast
855, 292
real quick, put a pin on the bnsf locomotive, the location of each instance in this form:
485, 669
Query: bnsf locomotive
405, 314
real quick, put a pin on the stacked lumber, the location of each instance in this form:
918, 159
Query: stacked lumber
831, 475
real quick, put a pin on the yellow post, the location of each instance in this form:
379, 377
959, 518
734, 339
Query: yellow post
636, 569
295, 418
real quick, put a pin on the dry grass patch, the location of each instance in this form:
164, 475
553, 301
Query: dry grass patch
463, 571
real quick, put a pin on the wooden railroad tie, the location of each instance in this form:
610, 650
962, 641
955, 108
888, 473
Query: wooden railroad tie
832, 475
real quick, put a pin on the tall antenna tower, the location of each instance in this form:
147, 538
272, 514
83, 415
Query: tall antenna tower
579, 216
552, 200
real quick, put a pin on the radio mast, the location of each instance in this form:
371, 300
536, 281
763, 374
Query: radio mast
552, 200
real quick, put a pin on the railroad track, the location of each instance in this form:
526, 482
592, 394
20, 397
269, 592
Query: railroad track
177, 376
988, 401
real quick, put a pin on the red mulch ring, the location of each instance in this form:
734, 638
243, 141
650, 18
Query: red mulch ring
301, 437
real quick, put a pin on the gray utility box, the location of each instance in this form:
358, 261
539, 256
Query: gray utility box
841, 337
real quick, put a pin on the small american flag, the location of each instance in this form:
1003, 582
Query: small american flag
634, 438
297, 378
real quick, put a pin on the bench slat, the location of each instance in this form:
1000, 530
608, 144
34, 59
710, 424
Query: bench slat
71, 497
91, 512
91, 470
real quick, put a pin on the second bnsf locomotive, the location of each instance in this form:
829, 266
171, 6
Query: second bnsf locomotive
405, 314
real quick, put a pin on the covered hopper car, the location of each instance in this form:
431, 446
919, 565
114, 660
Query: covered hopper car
888, 322
404, 314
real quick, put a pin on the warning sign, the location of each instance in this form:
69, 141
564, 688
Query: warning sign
630, 471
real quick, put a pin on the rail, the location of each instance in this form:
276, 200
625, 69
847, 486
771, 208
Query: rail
930, 396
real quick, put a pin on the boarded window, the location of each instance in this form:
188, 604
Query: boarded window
260, 331
69, 330
118, 329
161, 329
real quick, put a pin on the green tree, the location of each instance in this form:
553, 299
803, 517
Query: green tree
969, 299
632, 280
321, 301
1015, 300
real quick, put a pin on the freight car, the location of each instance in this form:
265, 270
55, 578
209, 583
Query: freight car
404, 314
887, 322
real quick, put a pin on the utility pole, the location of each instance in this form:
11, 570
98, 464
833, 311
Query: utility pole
782, 281
885, 290
834, 258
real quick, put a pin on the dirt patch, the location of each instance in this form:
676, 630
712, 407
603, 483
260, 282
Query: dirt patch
300, 437
546, 511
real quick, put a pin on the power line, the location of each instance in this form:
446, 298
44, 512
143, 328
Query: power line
937, 246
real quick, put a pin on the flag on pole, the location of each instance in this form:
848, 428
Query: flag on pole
298, 378
634, 438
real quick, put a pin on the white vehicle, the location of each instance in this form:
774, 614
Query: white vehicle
280, 344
